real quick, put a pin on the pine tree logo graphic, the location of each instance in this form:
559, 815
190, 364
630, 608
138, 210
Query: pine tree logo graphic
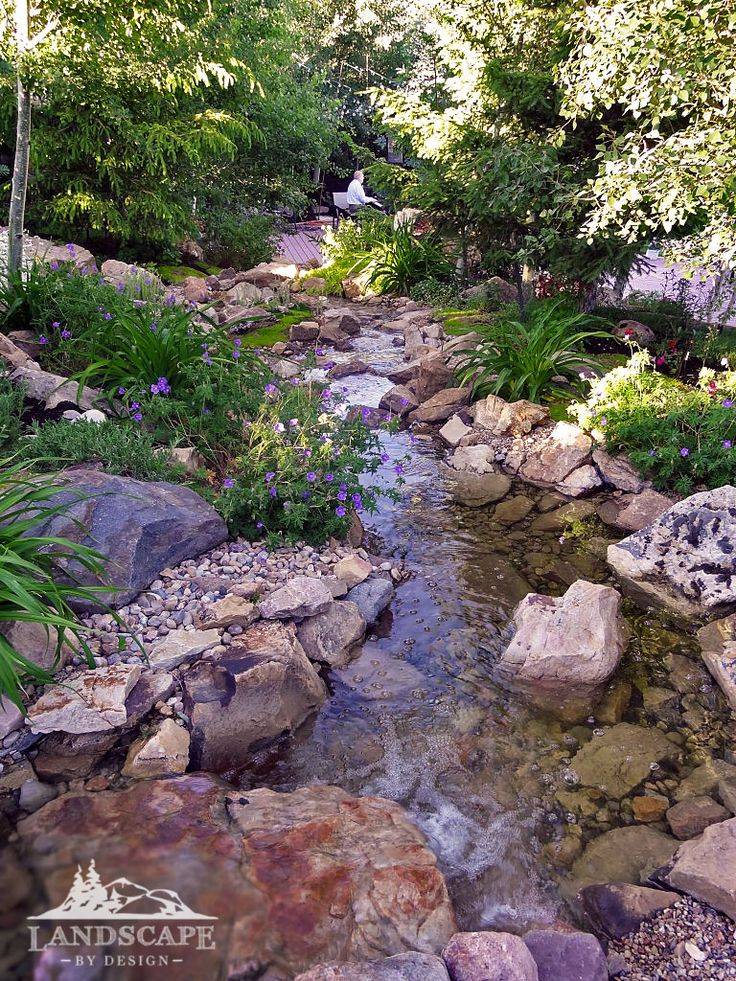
121, 899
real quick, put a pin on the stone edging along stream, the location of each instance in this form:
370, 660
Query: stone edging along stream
235, 640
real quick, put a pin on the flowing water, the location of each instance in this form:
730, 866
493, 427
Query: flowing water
415, 716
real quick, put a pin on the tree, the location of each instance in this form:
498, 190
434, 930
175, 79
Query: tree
660, 78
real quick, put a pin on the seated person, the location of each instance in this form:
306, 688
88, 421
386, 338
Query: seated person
357, 197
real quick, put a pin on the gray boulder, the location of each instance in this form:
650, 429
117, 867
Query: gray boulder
372, 597
303, 596
139, 528
411, 966
263, 686
684, 560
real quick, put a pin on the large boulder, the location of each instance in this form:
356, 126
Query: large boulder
632, 512
53, 392
294, 879
684, 560
718, 647
565, 649
618, 471
489, 956
614, 909
263, 686
567, 955
432, 375
399, 400
139, 529
411, 966
555, 456
622, 758
332, 636
706, 867
274, 273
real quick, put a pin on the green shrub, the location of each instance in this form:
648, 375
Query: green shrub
298, 476
33, 583
240, 241
434, 293
121, 447
668, 318
677, 435
525, 360
11, 409
405, 260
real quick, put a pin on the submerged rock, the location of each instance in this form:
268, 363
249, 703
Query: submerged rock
684, 560
263, 686
292, 878
689, 818
565, 649
622, 758
622, 855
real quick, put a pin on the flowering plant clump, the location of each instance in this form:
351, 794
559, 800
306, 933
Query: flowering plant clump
299, 474
680, 436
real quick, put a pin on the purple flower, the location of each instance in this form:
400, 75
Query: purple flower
138, 416
207, 358
305, 495
385, 458
120, 287
326, 395
342, 495
319, 352
121, 390
272, 491
270, 389
340, 511
403, 402
652, 453
238, 341
66, 334
43, 339
259, 524
279, 427
56, 324
727, 403
727, 444
329, 477
269, 476
107, 315
228, 483
399, 469
135, 405
54, 266
170, 300
603, 421
154, 326
236, 354
163, 386
311, 476
365, 412
70, 248
684, 451
293, 423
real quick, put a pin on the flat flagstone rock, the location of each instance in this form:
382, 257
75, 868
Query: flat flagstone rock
684, 560
181, 647
93, 701
303, 596
441, 406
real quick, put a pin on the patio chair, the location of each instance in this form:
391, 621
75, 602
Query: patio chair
339, 207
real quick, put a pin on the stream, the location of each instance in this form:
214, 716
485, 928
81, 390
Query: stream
415, 717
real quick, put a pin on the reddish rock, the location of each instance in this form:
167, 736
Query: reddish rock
489, 957
294, 879
690, 818
441, 406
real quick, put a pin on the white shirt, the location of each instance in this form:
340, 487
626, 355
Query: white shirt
356, 194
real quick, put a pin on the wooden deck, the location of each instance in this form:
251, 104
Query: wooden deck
301, 242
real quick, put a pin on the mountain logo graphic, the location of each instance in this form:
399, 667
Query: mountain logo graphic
121, 899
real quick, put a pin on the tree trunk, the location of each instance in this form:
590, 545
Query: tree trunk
22, 148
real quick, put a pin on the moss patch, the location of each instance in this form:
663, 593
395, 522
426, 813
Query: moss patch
177, 274
273, 333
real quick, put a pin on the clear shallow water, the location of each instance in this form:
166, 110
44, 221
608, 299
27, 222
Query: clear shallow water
415, 716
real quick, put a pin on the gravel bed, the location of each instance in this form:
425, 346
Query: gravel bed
687, 940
